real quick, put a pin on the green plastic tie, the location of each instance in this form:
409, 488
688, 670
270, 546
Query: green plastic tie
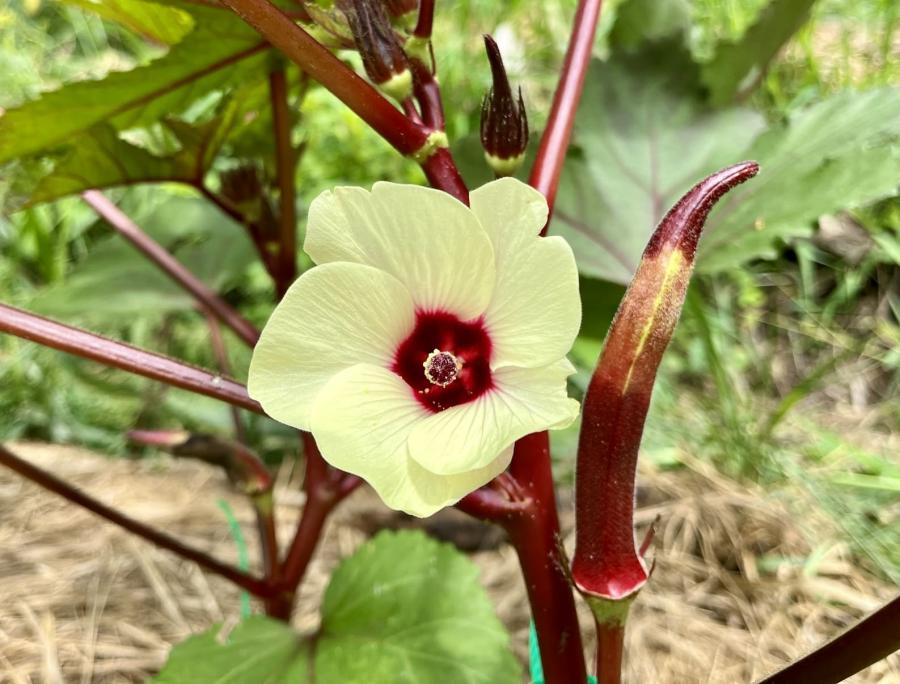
534, 659
234, 528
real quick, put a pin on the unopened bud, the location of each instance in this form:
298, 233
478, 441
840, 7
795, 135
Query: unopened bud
378, 45
504, 124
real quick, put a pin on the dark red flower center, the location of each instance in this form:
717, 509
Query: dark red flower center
445, 361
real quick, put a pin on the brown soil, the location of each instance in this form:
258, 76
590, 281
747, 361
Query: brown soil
81, 601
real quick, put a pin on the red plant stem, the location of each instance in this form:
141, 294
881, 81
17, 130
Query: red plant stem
325, 487
218, 346
874, 637
313, 58
555, 139
528, 514
441, 172
425, 20
171, 266
610, 644
285, 162
120, 355
252, 584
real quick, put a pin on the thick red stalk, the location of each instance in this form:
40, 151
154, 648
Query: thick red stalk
526, 509
874, 637
606, 565
120, 355
171, 266
555, 139
254, 585
285, 162
313, 58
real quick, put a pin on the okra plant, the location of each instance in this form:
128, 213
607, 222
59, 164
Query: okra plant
424, 354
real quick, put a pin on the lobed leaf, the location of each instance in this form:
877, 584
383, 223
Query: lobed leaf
221, 50
166, 25
99, 159
736, 65
643, 132
403, 609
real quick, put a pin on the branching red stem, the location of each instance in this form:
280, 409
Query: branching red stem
313, 58
120, 355
325, 487
252, 584
171, 266
555, 139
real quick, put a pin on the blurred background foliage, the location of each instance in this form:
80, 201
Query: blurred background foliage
784, 369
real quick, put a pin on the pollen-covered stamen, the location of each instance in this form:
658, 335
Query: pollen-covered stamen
442, 368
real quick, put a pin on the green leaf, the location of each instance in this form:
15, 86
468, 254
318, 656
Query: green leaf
99, 158
649, 20
841, 153
221, 50
736, 65
407, 609
404, 609
258, 650
165, 25
114, 280
645, 138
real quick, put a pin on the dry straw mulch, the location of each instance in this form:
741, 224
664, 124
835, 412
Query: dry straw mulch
81, 601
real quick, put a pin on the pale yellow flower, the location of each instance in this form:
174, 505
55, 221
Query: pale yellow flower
429, 338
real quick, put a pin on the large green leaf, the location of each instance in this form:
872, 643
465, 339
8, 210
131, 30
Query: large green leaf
407, 609
735, 65
114, 280
841, 153
259, 650
163, 24
221, 50
99, 158
403, 609
644, 138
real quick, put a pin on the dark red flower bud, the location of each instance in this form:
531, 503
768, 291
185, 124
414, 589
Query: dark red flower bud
379, 46
504, 124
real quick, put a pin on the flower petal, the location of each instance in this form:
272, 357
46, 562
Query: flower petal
535, 313
362, 420
428, 240
468, 436
509, 211
334, 316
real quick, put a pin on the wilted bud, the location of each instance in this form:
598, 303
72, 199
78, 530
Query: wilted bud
378, 45
504, 124
242, 187
328, 25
